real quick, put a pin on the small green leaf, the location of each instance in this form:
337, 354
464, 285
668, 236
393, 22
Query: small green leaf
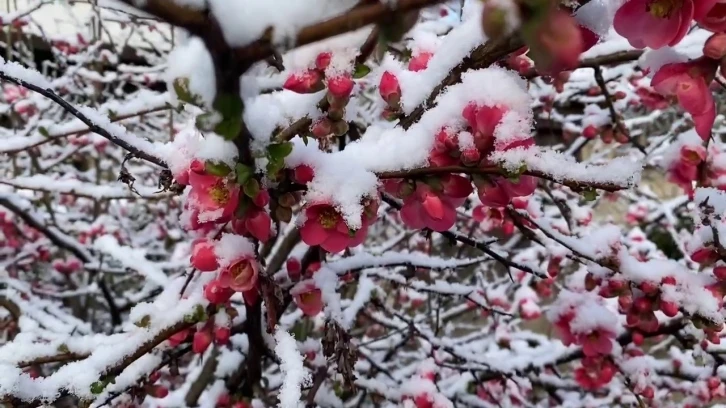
63, 348
199, 313
144, 322
230, 107
242, 206
112, 115
207, 121
252, 188
217, 169
589, 195
279, 151
360, 71
181, 88
305, 138
97, 387
274, 167
351, 232
243, 173
43, 131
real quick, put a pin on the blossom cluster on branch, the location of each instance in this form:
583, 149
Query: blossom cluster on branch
334, 203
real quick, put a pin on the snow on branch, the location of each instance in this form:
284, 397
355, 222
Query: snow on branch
109, 191
295, 375
96, 121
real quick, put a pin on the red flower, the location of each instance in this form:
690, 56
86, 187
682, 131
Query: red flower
217, 293
715, 17
214, 198
657, 23
325, 227
308, 298
689, 82
597, 342
594, 373
426, 208
240, 275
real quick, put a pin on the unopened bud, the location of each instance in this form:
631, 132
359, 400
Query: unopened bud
715, 46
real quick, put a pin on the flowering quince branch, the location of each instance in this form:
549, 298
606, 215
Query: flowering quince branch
371, 221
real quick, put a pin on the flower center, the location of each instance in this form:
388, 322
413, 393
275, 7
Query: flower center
328, 219
308, 297
663, 8
241, 272
219, 193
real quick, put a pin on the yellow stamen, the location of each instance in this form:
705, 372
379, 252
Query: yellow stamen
219, 193
664, 8
328, 219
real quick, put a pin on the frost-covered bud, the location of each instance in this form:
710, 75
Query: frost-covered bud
203, 257
669, 309
390, 89
294, 268
310, 81
322, 61
322, 127
470, 156
216, 293
303, 174
715, 46
341, 86
590, 132
419, 62
222, 335
202, 340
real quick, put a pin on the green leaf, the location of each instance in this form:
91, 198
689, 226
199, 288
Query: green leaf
252, 188
207, 121
144, 322
181, 89
97, 387
43, 131
279, 151
230, 107
112, 115
217, 169
360, 71
589, 195
243, 173
63, 348
274, 167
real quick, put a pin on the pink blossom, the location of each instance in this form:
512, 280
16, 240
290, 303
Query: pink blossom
594, 373
597, 342
714, 19
303, 174
427, 208
308, 298
657, 23
325, 227
215, 198
689, 82
240, 275
256, 222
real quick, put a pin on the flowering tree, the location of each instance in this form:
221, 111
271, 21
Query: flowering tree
360, 203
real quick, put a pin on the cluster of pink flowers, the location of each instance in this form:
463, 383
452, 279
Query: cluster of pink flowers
660, 23
325, 226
